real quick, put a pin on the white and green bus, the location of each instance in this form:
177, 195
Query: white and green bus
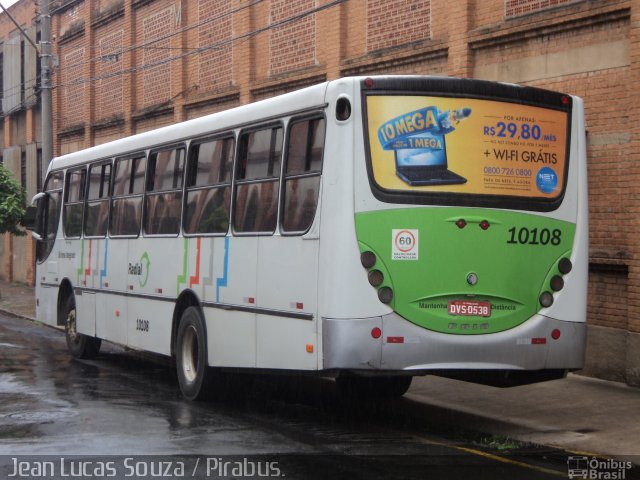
367, 229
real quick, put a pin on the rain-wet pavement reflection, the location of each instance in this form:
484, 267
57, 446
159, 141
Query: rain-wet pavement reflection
127, 403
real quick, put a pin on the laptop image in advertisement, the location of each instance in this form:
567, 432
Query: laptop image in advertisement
426, 165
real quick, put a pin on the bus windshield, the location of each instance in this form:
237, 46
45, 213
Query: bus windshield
467, 151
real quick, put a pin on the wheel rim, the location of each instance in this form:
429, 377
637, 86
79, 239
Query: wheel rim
72, 333
190, 354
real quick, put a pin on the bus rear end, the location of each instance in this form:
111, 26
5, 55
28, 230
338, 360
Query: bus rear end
470, 216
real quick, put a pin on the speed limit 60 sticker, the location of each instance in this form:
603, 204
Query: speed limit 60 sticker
404, 244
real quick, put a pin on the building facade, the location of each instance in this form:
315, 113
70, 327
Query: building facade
20, 148
127, 66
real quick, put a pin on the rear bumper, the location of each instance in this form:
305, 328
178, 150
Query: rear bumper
403, 346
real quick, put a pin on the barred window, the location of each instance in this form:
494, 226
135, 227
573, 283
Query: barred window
302, 174
209, 186
257, 180
97, 209
126, 204
163, 201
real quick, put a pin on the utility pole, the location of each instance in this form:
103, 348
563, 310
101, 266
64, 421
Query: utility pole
46, 110
44, 51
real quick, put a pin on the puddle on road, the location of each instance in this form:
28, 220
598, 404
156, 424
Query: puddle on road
41, 416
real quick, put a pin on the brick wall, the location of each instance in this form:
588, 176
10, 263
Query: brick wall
390, 24
292, 45
72, 61
522, 7
585, 47
110, 86
215, 63
155, 74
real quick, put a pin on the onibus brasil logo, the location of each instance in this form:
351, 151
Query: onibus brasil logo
594, 468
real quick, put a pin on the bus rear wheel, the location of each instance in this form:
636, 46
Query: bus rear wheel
194, 376
373, 387
79, 345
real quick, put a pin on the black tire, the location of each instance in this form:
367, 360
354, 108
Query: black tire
373, 387
194, 376
79, 345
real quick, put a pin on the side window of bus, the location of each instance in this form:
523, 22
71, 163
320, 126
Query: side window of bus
97, 209
257, 180
209, 186
302, 174
74, 202
163, 201
126, 204
53, 186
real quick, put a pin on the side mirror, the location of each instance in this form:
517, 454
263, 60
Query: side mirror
29, 219
35, 217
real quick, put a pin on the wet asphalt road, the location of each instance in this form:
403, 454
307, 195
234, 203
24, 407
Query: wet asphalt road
128, 404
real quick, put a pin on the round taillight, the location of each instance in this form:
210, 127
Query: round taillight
546, 299
375, 278
368, 259
565, 100
555, 334
484, 225
385, 295
376, 332
369, 83
557, 283
461, 223
565, 265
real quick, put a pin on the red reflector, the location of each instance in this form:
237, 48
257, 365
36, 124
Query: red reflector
299, 305
395, 339
565, 100
368, 82
461, 223
376, 332
484, 225
555, 334
538, 341
106, 284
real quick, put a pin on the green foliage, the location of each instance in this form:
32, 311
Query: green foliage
12, 203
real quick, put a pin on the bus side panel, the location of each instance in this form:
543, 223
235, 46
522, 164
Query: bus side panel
158, 268
149, 325
231, 338
46, 311
86, 312
111, 304
111, 312
343, 288
287, 282
232, 334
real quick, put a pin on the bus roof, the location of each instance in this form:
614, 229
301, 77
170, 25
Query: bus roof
288, 103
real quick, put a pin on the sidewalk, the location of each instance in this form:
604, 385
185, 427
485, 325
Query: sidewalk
578, 414
17, 299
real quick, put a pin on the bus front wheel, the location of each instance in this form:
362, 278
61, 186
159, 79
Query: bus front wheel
79, 345
194, 376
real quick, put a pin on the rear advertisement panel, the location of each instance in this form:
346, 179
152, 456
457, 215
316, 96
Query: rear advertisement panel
469, 146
